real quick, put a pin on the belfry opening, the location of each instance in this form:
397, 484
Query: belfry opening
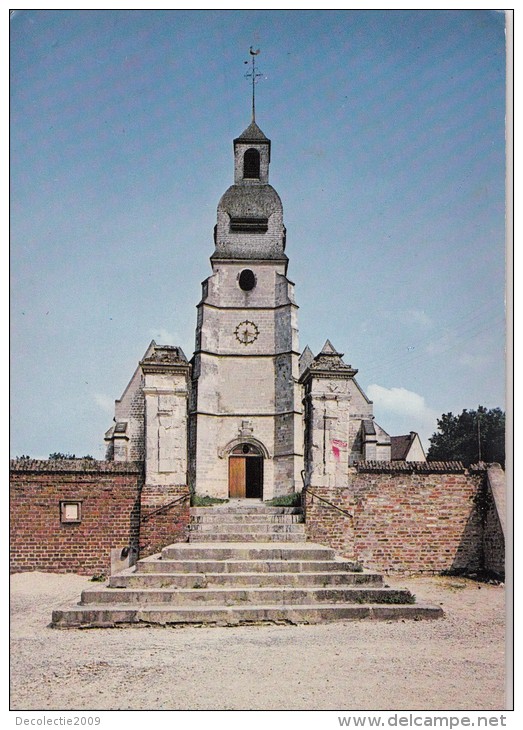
246, 472
251, 165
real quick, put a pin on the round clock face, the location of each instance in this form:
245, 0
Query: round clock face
246, 332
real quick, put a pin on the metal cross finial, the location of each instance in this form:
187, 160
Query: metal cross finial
254, 76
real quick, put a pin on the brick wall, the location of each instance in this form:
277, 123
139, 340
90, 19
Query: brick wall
164, 517
117, 511
110, 507
414, 517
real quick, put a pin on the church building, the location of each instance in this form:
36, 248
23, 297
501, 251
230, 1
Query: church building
247, 416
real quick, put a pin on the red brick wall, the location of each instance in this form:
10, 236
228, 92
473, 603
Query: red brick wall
164, 517
401, 519
110, 514
117, 512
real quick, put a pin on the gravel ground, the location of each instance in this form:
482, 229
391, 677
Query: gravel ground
454, 663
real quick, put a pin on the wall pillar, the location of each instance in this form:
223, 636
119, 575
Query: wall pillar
327, 415
166, 390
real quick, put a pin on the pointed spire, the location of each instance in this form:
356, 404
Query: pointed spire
252, 134
329, 360
329, 349
306, 358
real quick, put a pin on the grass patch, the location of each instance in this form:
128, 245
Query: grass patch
395, 598
204, 500
286, 500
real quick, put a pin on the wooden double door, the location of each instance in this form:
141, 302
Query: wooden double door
246, 472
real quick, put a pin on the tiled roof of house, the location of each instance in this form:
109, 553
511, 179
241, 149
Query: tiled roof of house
410, 467
75, 465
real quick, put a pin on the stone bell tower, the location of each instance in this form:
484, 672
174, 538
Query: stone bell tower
246, 436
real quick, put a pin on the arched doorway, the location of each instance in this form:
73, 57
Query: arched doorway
246, 472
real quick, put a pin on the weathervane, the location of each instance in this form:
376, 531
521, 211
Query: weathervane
254, 76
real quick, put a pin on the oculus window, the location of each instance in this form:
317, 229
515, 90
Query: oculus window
247, 280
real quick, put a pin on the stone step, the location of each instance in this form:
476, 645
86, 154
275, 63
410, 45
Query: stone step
156, 564
230, 583
251, 519
201, 536
250, 509
256, 579
227, 596
117, 615
247, 527
247, 551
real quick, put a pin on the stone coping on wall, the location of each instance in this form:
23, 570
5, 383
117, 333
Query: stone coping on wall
76, 465
498, 488
410, 467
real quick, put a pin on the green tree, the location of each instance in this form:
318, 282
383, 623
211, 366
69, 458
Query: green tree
59, 455
471, 437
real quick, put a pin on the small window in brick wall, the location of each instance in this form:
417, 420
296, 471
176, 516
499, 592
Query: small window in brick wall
71, 511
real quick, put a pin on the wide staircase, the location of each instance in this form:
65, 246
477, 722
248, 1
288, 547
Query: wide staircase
246, 521
243, 564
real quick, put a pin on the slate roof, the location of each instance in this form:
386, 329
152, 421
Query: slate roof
250, 200
252, 134
368, 427
399, 446
306, 358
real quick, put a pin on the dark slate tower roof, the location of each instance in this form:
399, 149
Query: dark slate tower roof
252, 134
250, 213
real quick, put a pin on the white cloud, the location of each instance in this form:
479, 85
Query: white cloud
399, 411
397, 400
105, 403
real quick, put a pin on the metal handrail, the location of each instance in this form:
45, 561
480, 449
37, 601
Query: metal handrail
322, 499
164, 506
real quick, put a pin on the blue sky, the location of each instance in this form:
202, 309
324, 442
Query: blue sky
388, 153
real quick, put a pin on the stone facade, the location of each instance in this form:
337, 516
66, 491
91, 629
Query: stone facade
248, 416
245, 366
151, 422
339, 425
165, 388
303, 417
